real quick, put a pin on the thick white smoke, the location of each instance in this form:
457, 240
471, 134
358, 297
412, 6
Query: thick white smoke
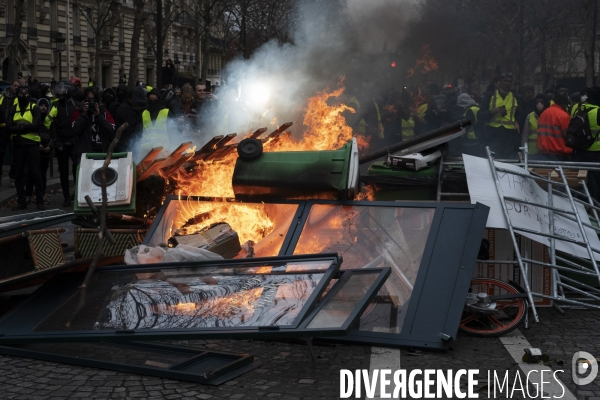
333, 38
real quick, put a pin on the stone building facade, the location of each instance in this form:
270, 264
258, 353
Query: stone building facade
44, 20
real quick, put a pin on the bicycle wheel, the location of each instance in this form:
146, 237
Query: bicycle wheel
511, 312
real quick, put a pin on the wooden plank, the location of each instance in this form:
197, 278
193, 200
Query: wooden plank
147, 160
176, 165
220, 145
209, 147
151, 169
280, 130
257, 133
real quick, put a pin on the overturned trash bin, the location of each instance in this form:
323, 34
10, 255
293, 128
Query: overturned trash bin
330, 174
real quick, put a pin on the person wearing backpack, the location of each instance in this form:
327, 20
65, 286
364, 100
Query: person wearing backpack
589, 116
552, 129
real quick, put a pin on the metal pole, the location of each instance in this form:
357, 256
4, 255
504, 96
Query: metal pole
439, 182
512, 233
159, 43
583, 232
68, 39
587, 193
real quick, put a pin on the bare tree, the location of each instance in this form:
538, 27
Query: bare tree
101, 16
20, 12
139, 18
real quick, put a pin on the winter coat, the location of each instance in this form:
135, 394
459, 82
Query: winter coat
93, 133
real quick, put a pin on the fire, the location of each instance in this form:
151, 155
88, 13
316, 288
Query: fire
251, 222
368, 193
325, 128
424, 64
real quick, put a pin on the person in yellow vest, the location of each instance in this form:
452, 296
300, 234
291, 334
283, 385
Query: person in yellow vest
470, 110
592, 154
23, 125
530, 127
155, 121
499, 112
582, 99
367, 120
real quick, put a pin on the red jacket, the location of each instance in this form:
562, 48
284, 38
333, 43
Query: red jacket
552, 128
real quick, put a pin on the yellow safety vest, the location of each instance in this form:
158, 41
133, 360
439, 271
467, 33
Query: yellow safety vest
532, 120
361, 127
27, 116
471, 133
576, 108
15, 101
594, 127
422, 110
408, 128
156, 130
508, 120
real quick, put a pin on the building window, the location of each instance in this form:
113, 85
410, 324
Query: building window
76, 25
10, 17
53, 19
90, 34
31, 23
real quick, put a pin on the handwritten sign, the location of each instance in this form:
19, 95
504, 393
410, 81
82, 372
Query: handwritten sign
482, 189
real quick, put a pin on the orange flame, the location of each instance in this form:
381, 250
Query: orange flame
325, 128
425, 63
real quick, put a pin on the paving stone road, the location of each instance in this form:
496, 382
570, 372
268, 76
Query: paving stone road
286, 370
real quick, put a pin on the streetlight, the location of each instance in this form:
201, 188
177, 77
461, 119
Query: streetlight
177, 62
60, 47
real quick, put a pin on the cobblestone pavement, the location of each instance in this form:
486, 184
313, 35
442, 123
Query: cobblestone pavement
286, 370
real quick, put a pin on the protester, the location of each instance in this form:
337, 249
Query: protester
168, 71
526, 104
60, 122
155, 121
185, 111
530, 126
46, 146
130, 112
7, 100
469, 143
500, 113
76, 83
552, 129
592, 154
93, 126
23, 124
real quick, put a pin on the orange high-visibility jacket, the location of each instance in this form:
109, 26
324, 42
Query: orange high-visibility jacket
552, 128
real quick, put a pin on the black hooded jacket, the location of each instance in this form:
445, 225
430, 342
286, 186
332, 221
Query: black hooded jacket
131, 112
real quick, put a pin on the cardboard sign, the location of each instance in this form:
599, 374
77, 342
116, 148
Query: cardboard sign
482, 189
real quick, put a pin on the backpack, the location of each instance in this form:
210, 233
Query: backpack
579, 135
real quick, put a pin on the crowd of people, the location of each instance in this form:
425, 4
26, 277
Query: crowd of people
66, 120
502, 119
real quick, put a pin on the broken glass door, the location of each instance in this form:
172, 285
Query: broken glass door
261, 297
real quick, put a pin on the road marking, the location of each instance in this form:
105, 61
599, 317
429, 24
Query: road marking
383, 358
516, 344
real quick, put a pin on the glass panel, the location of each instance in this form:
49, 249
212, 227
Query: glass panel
202, 297
264, 224
372, 236
340, 306
114, 352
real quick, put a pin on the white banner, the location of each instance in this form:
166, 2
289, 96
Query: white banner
482, 189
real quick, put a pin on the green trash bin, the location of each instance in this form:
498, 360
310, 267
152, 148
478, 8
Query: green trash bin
329, 174
402, 184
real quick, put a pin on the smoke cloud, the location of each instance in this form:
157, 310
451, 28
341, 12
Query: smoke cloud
331, 39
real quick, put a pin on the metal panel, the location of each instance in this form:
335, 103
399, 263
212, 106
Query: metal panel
445, 271
43, 316
198, 365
